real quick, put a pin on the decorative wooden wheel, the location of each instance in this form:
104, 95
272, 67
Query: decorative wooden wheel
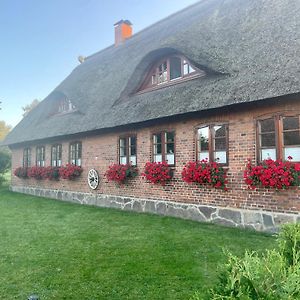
93, 179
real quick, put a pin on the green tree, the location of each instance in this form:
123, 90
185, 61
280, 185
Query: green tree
27, 108
4, 130
5, 163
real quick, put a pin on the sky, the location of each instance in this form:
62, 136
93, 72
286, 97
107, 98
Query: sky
41, 40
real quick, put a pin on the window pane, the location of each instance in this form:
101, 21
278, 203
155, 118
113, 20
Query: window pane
170, 159
132, 143
220, 157
203, 155
185, 69
79, 162
191, 69
267, 125
132, 160
220, 131
290, 123
158, 158
170, 148
170, 137
157, 138
175, 67
59, 163
203, 138
220, 144
268, 139
157, 149
123, 160
293, 152
291, 138
268, 153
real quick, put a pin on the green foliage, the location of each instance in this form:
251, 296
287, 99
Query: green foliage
5, 161
273, 276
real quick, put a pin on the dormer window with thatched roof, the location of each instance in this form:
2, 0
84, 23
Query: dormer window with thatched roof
170, 70
65, 106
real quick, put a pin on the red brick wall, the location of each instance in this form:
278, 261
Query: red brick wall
100, 151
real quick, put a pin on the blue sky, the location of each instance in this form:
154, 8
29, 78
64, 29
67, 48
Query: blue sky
40, 41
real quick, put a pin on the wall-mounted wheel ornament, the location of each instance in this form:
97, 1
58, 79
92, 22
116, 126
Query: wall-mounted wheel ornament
93, 179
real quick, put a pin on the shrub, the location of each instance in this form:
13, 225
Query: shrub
21, 172
70, 171
5, 161
205, 172
272, 174
275, 275
157, 172
120, 172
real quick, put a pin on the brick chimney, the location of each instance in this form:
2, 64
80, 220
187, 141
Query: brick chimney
123, 31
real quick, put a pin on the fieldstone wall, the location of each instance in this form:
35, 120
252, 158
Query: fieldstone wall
252, 219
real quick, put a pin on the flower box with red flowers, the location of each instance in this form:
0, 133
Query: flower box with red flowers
121, 172
70, 171
205, 173
275, 174
157, 172
51, 173
36, 173
21, 172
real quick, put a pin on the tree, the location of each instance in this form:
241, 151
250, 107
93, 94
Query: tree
5, 163
30, 107
4, 130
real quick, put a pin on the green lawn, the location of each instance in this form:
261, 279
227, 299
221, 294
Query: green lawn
67, 251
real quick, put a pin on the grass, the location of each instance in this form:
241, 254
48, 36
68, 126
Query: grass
66, 251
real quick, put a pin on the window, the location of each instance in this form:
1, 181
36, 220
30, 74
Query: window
279, 137
56, 153
164, 147
40, 156
65, 106
75, 153
212, 143
169, 70
127, 150
27, 157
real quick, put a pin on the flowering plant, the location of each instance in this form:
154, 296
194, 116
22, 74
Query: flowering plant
205, 172
36, 172
157, 172
120, 172
51, 173
273, 174
21, 172
70, 171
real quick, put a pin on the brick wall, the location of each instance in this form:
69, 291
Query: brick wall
100, 151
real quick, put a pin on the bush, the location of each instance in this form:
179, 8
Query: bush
273, 276
120, 172
5, 161
205, 172
157, 172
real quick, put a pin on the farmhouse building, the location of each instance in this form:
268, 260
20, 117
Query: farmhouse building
219, 80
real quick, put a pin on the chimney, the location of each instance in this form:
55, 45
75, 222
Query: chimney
123, 31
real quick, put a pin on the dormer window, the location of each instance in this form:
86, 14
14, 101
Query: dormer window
65, 106
170, 70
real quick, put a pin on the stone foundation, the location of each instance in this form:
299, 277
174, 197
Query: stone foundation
252, 219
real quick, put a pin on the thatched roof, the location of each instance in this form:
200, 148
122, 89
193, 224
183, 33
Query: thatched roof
249, 48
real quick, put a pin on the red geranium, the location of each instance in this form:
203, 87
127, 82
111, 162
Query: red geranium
36, 172
120, 172
204, 172
70, 171
272, 174
157, 172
